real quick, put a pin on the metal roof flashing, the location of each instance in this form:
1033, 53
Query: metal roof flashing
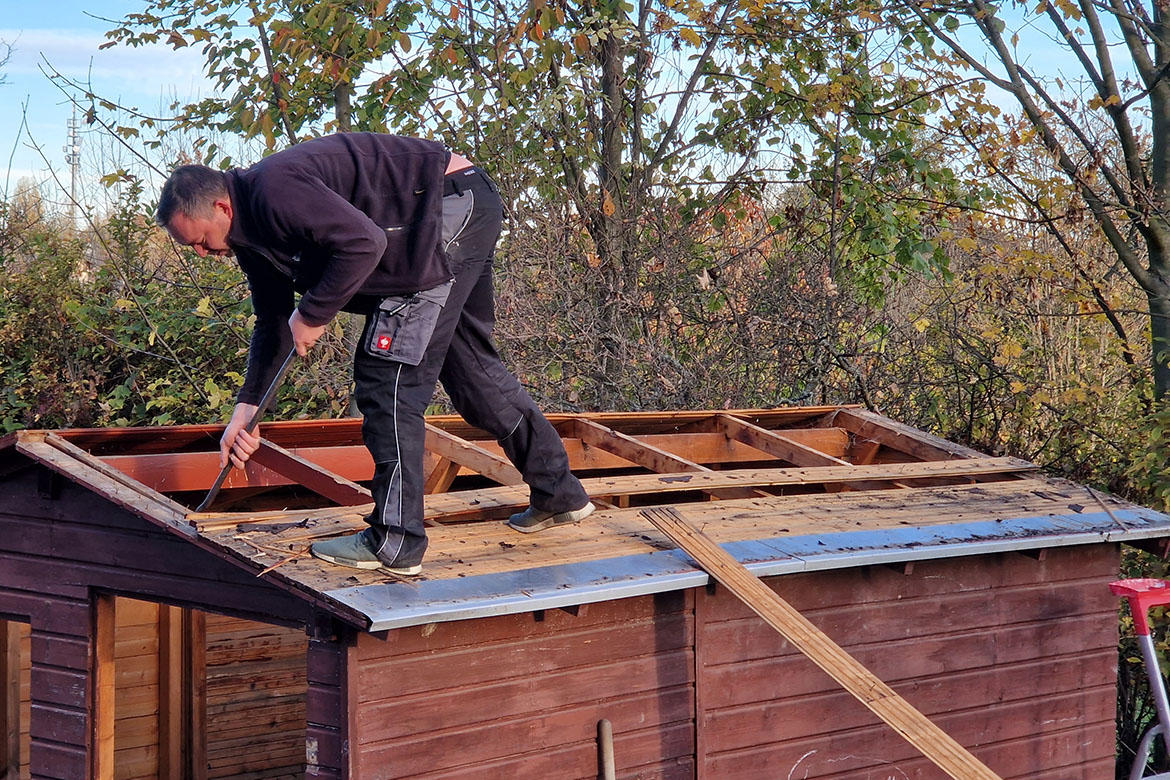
400, 605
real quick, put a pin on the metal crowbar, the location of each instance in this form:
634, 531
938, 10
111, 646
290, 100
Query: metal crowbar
252, 423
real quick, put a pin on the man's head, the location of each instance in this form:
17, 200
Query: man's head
196, 210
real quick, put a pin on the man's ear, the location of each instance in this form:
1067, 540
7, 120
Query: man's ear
224, 205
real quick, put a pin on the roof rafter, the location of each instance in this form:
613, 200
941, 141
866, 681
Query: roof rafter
308, 474
644, 454
471, 455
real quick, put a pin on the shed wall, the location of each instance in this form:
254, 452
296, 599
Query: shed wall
1014, 656
255, 718
519, 697
59, 543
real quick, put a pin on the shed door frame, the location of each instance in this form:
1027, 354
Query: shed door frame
102, 674
10, 704
181, 691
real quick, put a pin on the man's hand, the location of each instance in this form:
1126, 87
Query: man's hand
237, 443
304, 335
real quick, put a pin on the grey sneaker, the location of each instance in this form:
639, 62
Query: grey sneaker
355, 551
532, 520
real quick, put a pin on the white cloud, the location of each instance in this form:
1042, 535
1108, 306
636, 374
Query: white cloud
146, 78
147, 70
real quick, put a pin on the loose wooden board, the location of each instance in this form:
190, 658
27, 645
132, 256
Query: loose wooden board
878, 697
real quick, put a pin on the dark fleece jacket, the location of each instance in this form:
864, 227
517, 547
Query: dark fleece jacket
345, 220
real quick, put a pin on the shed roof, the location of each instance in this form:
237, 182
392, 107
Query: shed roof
784, 490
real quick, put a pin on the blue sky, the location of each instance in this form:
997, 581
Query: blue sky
65, 34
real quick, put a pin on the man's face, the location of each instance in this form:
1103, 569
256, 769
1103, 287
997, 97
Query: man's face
207, 235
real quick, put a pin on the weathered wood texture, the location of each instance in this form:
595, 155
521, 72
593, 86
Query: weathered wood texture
183, 471
136, 689
103, 686
14, 699
956, 761
255, 711
308, 474
1013, 657
488, 548
330, 670
519, 697
58, 543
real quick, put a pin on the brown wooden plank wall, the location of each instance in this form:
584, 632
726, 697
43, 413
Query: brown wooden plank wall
518, 697
60, 616
24, 634
255, 700
1014, 657
136, 695
59, 542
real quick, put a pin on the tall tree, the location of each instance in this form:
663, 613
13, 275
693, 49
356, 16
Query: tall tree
657, 119
643, 124
280, 67
1104, 117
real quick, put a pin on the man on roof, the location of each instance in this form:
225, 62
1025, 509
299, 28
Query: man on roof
402, 231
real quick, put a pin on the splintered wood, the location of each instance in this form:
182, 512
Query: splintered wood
880, 698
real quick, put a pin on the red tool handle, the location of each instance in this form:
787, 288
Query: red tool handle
1141, 595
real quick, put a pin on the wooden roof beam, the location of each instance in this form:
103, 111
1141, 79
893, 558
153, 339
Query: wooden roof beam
896, 436
774, 443
501, 501
309, 475
493, 501
644, 454
638, 452
465, 453
441, 476
785, 448
80, 456
174, 472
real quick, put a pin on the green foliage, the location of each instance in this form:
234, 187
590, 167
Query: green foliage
604, 106
47, 367
278, 66
1150, 470
111, 327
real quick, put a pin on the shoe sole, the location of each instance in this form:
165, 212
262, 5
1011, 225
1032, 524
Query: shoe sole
563, 518
347, 562
405, 571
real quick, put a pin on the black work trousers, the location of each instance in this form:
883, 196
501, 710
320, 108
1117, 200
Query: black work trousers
393, 396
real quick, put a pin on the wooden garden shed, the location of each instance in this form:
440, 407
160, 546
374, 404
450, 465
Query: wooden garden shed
139, 638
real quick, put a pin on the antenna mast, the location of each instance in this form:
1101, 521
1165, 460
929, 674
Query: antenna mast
72, 151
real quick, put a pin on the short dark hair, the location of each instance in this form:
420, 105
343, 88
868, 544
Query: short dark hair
190, 190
